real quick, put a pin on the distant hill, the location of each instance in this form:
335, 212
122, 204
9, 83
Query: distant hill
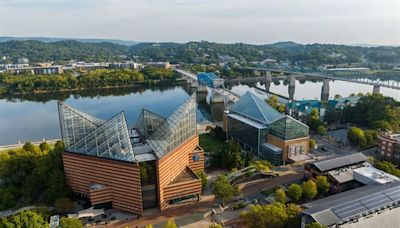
53, 39
309, 55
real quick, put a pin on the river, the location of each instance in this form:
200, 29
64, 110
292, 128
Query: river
34, 118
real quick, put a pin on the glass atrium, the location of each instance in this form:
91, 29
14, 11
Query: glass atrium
153, 135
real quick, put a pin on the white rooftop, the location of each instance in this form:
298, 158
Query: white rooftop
371, 175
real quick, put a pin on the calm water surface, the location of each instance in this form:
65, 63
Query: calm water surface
33, 121
27, 120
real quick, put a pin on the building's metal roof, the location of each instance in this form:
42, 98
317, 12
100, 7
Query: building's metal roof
253, 107
247, 121
338, 162
352, 204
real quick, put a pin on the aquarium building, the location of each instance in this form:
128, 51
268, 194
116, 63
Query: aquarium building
151, 164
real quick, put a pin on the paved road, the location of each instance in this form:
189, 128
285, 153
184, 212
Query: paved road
194, 213
256, 187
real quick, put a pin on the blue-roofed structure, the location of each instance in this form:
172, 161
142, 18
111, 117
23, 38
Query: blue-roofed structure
254, 108
210, 79
269, 134
340, 103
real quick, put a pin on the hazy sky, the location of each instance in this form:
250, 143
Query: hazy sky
249, 21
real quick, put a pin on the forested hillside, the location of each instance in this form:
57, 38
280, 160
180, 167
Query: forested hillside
198, 52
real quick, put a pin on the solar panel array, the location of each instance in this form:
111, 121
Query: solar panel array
367, 204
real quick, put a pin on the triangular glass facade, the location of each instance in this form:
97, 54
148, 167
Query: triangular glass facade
179, 127
252, 107
288, 128
110, 140
75, 124
148, 122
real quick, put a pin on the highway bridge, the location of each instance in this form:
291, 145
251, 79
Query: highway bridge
356, 76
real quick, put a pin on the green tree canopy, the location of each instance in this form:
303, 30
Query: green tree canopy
170, 224
323, 186
70, 223
24, 219
224, 190
315, 225
44, 146
274, 102
280, 196
309, 189
295, 192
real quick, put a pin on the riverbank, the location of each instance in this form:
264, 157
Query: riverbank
6, 93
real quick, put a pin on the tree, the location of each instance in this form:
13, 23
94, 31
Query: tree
64, 204
295, 191
255, 217
203, 178
313, 120
337, 96
170, 224
276, 215
263, 165
44, 146
28, 146
323, 185
224, 190
315, 225
25, 219
388, 167
309, 189
71, 223
312, 144
374, 111
280, 196
231, 155
357, 136
274, 102
321, 130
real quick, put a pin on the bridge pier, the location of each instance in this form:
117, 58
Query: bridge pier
292, 87
325, 90
268, 80
376, 89
202, 88
217, 97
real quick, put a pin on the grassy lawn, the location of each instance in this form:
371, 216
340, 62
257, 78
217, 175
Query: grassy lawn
210, 143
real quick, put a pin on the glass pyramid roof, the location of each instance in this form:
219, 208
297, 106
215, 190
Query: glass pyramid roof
75, 124
253, 107
148, 122
179, 127
110, 140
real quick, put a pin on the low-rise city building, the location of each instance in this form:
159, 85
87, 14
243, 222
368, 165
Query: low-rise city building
348, 172
389, 145
37, 70
367, 206
266, 132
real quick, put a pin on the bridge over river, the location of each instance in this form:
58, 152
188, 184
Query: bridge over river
355, 75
